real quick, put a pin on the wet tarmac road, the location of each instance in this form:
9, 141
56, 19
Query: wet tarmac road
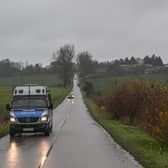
77, 141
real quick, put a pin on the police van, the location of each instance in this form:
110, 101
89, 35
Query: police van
31, 110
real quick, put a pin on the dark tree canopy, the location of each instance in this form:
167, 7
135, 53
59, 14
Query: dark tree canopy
153, 60
85, 63
64, 63
8, 68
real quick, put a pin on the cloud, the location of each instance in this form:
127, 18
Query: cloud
32, 30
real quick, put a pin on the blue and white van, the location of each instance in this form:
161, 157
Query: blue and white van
31, 110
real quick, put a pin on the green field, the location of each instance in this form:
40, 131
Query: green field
149, 152
51, 80
105, 85
43, 79
5, 93
58, 93
146, 149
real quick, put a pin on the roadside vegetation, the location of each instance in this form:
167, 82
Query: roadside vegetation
135, 113
137, 102
145, 148
58, 94
49, 79
4, 129
57, 75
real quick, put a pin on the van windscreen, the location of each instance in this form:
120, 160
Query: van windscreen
29, 102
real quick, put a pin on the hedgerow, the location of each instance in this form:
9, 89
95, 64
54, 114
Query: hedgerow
138, 102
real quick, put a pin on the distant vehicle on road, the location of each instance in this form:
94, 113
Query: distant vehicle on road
70, 97
31, 110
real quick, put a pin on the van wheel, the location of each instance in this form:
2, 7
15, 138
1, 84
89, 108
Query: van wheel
12, 134
51, 128
47, 132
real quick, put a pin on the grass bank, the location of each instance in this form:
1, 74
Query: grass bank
7, 83
58, 94
148, 151
105, 85
5, 92
4, 129
41, 79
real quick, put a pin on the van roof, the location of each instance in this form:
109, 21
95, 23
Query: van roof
30, 90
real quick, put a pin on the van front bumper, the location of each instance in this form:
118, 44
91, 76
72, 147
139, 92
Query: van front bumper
33, 127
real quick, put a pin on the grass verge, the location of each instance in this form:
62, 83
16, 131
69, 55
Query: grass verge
148, 151
58, 95
4, 129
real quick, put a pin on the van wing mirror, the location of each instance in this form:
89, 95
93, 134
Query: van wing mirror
8, 107
51, 106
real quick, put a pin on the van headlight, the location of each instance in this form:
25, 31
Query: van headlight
44, 116
12, 119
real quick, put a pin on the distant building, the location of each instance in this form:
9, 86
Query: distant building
140, 61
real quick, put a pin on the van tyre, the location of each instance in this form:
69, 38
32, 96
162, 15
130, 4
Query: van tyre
47, 132
51, 128
12, 134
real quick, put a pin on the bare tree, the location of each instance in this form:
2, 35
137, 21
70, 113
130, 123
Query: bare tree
85, 63
64, 60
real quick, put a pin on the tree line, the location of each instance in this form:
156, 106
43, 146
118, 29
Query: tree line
63, 63
9, 68
151, 60
87, 66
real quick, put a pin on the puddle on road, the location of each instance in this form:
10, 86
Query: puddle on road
21, 150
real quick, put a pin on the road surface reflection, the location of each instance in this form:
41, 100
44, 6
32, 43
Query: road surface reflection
21, 149
13, 154
44, 149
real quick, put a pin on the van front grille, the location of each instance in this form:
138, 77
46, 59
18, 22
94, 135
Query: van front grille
28, 120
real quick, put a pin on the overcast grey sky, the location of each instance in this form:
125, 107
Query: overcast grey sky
33, 29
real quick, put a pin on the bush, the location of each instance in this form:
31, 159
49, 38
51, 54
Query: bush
88, 88
142, 103
127, 101
157, 111
4, 129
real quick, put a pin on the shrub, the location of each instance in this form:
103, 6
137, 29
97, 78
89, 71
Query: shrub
88, 88
142, 103
157, 111
127, 101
